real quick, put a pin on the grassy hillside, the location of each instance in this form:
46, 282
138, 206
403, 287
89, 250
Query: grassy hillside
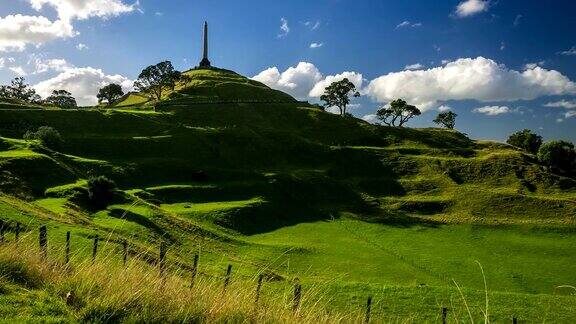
209, 86
276, 187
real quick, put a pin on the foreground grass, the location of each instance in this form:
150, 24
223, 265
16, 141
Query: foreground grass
106, 291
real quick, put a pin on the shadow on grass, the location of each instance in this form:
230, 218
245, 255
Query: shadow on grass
138, 219
396, 218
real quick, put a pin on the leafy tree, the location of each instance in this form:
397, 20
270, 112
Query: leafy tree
338, 95
110, 93
155, 78
526, 140
5, 91
47, 135
559, 156
18, 89
398, 113
446, 119
62, 99
22, 91
101, 191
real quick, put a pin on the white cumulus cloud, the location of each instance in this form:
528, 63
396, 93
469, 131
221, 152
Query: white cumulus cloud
444, 108
492, 110
81, 46
17, 31
471, 7
297, 81
84, 9
320, 86
478, 79
304, 80
316, 45
83, 83
567, 104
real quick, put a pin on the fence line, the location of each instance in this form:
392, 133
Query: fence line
297, 292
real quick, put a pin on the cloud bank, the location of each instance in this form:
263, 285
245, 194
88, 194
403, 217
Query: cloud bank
304, 80
83, 83
18, 31
478, 79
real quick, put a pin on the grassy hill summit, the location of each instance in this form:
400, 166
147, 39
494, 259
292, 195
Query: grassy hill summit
211, 85
238, 173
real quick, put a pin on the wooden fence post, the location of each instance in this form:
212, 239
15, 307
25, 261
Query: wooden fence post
162, 258
368, 310
297, 296
67, 247
258, 288
514, 320
444, 315
194, 270
228, 275
17, 232
125, 248
43, 241
95, 248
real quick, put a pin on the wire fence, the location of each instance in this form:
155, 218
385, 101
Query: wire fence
160, 261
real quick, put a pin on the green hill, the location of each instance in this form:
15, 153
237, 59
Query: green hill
252, 177
211, 86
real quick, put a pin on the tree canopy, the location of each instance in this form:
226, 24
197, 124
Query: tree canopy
526, 140
446, 119
110, 93
559, 156
397, 113
62, 99
20, 90
155, 78
47, 135
338, 94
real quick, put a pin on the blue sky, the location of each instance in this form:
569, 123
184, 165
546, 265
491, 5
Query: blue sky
501, 65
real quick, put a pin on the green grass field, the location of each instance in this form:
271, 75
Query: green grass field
408, 216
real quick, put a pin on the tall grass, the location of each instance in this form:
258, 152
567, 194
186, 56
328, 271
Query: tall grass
108, 291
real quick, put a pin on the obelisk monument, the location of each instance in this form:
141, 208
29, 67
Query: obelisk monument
205, 63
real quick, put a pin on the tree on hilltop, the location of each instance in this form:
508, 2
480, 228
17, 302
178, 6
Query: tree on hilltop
397, 113
155, 78
62, 99
110, 93
526, 140
338, 94
446, 119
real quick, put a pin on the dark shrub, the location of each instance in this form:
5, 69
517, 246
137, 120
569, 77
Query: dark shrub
101, 191
526, 140
47, 135
559, 156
